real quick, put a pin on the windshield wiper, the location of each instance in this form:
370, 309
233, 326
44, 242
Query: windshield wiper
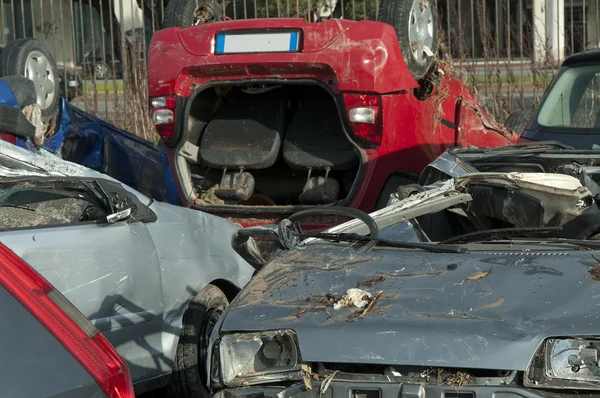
351, 237
588, 244
488, 233
528, 147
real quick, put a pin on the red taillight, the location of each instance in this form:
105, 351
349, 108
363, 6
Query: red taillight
66, 324
9, 138
163, 115
365, 115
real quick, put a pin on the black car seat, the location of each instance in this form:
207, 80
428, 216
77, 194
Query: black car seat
245, 134
315, 141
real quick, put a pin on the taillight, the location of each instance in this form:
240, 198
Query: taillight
66, 324
9, 138
365, 115
163, 115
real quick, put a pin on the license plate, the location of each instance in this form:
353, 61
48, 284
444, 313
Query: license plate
257, 42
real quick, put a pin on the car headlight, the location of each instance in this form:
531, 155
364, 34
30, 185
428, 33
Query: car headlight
254, 358
565, 363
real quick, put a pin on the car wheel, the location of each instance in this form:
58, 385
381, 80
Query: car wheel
517, 121
415, 23
182, 13
31, 58
199, 320
102, 71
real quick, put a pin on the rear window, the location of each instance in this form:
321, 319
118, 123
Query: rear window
573, 101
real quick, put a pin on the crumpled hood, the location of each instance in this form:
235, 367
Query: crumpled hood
429, 313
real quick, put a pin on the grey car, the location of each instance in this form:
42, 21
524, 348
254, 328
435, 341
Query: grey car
480, 285
140, 270
50, 349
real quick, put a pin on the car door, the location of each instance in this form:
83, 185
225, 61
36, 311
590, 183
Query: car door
109, 271
475, 128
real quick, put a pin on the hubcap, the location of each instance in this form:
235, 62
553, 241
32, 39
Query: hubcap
420, 31
101, 71
39, 70
202, 15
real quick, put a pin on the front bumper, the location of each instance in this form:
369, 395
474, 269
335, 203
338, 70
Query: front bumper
344, 389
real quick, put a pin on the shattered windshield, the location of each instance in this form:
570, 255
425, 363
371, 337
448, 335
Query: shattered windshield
572, 102
27, 204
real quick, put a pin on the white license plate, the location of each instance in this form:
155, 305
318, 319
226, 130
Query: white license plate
257, 42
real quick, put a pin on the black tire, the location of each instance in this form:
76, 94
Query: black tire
398, 14
12, 62
517, 121
189, 367
182, 13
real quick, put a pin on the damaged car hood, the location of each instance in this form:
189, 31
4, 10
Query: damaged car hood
489, 309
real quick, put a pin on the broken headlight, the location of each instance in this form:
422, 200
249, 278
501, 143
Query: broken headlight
254, 358
565, 363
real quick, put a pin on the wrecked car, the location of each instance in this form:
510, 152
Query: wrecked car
144, 273
266, 117
473, 285
82, 138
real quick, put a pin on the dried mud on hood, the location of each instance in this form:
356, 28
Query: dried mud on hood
479, 310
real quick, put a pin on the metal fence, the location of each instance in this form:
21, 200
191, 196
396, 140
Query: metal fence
506, 50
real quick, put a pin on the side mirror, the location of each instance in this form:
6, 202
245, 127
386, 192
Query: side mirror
119, 216
243, 243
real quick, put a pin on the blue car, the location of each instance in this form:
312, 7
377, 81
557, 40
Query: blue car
90, 141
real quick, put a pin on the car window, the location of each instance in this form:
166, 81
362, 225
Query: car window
573, 101
586, 111
24, 205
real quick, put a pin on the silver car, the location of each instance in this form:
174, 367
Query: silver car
141, 271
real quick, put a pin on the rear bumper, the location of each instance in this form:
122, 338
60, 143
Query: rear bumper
384, 390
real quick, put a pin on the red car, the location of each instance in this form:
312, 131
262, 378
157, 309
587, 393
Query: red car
265, 117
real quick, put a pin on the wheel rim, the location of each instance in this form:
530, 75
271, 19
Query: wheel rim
202, 15
39, 70
101, 71
420, 31
208, 325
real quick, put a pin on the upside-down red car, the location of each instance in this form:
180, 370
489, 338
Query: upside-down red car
265, 117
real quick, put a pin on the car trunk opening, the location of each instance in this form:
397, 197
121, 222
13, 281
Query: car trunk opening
258, 149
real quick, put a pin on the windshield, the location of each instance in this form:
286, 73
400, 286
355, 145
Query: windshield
572, 102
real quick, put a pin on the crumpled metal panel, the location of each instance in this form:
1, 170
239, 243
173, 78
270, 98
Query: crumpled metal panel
132, 280
429, 313
19, 162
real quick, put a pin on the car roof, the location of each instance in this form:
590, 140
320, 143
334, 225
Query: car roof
583, 57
